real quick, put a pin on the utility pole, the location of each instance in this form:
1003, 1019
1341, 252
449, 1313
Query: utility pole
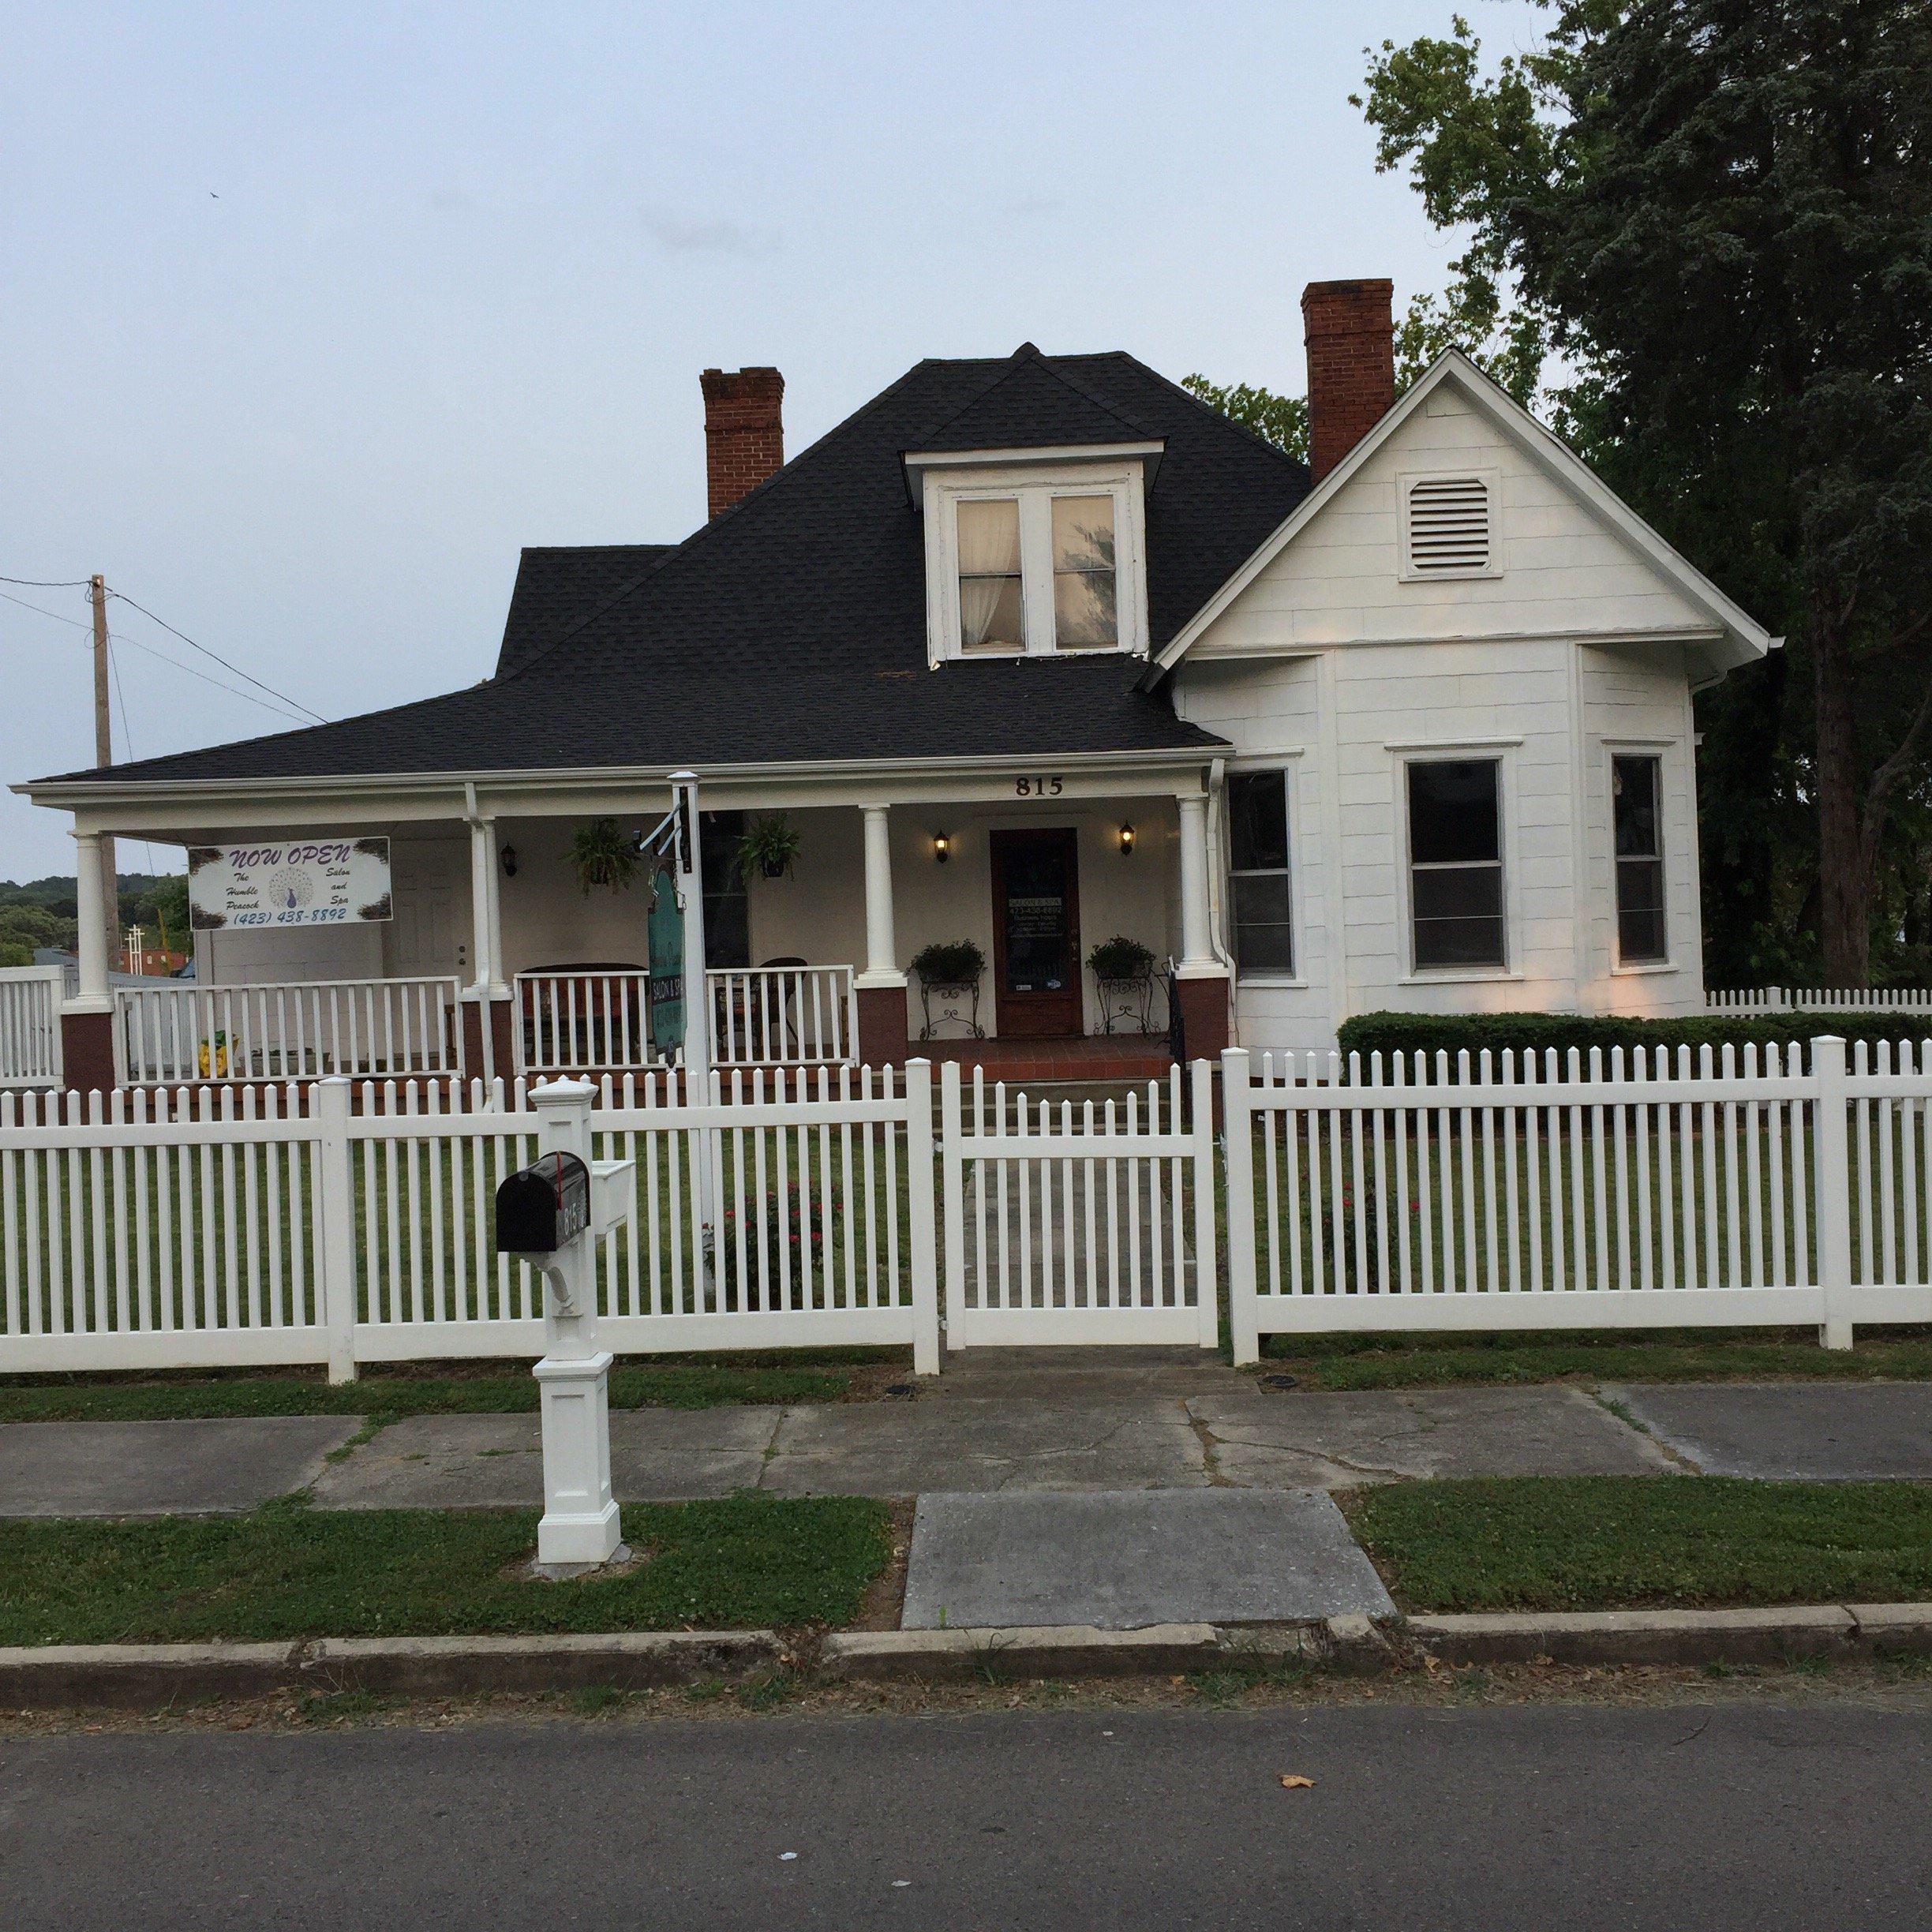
103, 752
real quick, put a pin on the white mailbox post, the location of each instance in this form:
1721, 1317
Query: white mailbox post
552, 1216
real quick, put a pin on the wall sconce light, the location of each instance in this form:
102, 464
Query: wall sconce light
1126, 841
942, 846
509, 858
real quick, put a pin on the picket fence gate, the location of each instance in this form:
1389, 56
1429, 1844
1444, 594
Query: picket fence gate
1087, 1223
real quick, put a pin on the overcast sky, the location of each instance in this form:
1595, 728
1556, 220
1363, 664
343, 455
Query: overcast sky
315, 315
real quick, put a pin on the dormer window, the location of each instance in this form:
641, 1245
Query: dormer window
992, 605
1085, 595
1035, 561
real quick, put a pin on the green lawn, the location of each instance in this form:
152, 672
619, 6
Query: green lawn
1398, 1361
1610, 1542
796, 1376
748, 1561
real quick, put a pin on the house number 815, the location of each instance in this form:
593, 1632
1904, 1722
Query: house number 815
1038, 788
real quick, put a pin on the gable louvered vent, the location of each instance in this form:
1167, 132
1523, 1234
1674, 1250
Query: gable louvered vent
1448, 526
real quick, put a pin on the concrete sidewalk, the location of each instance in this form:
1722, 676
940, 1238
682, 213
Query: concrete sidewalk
1018, 1421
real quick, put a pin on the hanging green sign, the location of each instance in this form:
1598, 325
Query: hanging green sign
666, 929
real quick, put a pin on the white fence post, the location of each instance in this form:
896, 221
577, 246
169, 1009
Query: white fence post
920, 1231
1832, 1190
336, 1222
952, 1168
1206, 1270
1237, 1127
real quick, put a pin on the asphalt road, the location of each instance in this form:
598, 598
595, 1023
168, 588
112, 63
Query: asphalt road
1492, 1818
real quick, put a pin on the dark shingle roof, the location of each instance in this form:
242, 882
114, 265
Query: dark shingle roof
792, 629
556, 588
1031, 404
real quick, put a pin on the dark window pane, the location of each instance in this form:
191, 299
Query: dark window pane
1263, 928
1258, 821
1458, 943
1458, 916
1634, 782
1452, 811
1640, 934
727, 923
1459, 892
1640, 909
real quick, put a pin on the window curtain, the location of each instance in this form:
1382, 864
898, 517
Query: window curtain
989, 547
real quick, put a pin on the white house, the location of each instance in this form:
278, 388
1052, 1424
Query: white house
1033, 653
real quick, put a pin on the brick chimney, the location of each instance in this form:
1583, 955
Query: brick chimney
1349, 329
744, 432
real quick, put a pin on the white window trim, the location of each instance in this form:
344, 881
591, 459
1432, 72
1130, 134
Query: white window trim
1501, 752
1660, 749
1034, 485
1285, 765
1492, 481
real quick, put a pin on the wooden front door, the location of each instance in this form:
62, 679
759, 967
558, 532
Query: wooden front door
1036, 946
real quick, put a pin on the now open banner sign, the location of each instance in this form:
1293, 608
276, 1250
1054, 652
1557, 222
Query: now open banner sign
297, 881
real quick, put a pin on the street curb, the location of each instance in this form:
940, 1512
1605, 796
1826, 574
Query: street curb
161, 1677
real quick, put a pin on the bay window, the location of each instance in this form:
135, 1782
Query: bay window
1636, 788
1259, 899
1455, 863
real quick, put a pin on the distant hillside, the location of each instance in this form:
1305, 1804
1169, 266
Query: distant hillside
41, 912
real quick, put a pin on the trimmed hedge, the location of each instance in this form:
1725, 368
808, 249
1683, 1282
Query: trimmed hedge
1409, 1033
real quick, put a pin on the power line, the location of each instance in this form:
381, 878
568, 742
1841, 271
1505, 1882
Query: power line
80, 624
46, 583
121, 637
217, 657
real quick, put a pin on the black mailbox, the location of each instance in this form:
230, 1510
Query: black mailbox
541, 1207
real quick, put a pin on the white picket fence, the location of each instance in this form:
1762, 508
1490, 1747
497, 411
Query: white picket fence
1755, 1000
174, 1030
282, 1225
338, 1222
1739, 1188
1092, 1223
30, 1030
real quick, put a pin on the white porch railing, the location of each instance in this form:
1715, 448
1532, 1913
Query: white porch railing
583, 1022
783, 1015
180, 1031
1818, 999
30, 1032
596, 1020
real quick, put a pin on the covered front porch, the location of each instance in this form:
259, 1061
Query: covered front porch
496, 958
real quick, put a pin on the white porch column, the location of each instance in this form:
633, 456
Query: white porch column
486, 943
90, 886
881, 953
1198, 950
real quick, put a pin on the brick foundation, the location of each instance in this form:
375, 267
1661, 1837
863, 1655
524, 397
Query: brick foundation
882, 1026
499, 1015
87, 1051
1204, 1016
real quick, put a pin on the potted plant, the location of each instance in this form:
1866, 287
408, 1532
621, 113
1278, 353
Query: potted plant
603, 856
1120, 958
950, 971
768, 848
1123, 970
949, 963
